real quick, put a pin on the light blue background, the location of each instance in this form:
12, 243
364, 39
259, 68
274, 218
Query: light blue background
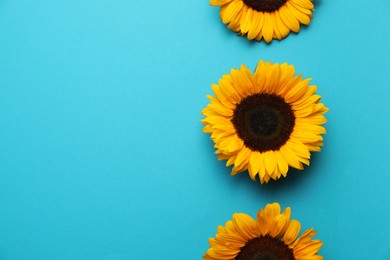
101, 150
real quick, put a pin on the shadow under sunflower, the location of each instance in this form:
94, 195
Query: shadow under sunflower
265, 122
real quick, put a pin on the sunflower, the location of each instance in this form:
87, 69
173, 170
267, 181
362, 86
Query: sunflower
265, 19
272, 236
265, 122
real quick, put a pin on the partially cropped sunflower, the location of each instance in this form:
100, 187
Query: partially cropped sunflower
265, 19
272, 236
265, 122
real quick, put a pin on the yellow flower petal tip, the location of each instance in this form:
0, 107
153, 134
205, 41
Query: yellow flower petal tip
265, 122
266, 19
272, 235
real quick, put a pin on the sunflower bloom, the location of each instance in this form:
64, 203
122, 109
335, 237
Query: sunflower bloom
265, 19
272, 236
265, 122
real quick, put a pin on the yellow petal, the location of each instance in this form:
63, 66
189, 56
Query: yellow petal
299, 148
219, 2
267, 28
297, 91
270, 162
282, 163
302, 17
255, 25
272, 77
290, 157
231, 145
230, 11
241, 83
262, 222
254, 164
246, 79
306, 11
271, 211
282, 28
246, 19
307, 4
242, 157
292, 232
308, 248
245, 225
279, 225
290, 21
259, 77
227, 88
224, 111
221, 97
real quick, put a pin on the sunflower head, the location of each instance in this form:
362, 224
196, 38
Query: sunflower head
265, 19
265, 122
271, 236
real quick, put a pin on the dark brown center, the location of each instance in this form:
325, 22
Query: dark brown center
265, 248
264, 122
265, 5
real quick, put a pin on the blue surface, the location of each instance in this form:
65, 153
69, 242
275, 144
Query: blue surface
101, 150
